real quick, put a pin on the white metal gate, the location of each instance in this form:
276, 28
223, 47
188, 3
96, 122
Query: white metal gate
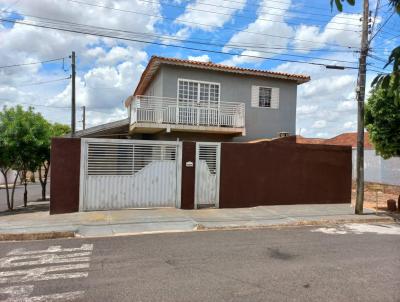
119, 174
207, 174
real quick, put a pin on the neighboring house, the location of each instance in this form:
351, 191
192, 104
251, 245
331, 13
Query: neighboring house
376, 169
193, 100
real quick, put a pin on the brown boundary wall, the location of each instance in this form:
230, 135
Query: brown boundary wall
188, 175
65, 175
283, 172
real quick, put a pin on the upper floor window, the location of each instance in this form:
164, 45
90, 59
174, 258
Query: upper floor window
200, 92
265, 97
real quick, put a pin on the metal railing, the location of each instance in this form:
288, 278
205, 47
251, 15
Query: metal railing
162, 110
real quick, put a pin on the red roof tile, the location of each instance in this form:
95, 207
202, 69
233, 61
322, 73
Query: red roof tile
155, 62
344, 139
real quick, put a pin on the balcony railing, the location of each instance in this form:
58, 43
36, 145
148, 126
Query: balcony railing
162, 110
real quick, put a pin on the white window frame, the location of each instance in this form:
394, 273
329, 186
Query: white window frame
198, 89
270, 97
258, 98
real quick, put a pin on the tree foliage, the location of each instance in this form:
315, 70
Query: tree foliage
382, 119
391, 81
338, 3
23, 136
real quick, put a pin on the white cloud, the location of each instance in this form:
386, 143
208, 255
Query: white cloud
202, 58
350, 125
319, 124
200, 15
336, 31
328, 97
267, 29
107, 70
349, 105
104, 87
306, 109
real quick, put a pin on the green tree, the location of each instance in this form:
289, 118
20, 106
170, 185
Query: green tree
382, 119
394, 3
5, 163
44, 153
23, 133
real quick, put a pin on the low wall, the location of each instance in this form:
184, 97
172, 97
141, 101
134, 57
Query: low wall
65, 168
283, 172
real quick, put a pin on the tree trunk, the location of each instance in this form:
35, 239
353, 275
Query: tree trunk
43, 181
4, 172
25, 182
13, 191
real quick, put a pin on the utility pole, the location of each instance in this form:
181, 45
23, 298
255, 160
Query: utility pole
73, 109
362, 71
83, 117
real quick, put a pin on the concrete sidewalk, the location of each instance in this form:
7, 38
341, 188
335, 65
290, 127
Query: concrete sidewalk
141, 221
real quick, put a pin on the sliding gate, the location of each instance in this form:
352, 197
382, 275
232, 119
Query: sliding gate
119, 174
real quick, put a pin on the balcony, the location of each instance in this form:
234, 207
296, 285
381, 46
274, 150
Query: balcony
150, 114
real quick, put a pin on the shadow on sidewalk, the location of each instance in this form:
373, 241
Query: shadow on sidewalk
32, 207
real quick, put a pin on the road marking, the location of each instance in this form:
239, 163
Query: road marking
44, 273
54, 263
22, 294
44, 259
53, 249
358, 228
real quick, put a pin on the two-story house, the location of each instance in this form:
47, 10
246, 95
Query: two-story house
203, 101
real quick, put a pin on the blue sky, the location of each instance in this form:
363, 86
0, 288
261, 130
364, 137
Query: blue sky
278, 32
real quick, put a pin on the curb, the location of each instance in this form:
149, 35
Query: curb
298, 223
198, 228
36, 236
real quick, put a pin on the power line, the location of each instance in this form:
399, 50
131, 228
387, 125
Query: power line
263, 11
164, 44
32, 63
42, 82
91, 109
380, 28
207, 11
57, 22
234, 46
208, 25
280, 2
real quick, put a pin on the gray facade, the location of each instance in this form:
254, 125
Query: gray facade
260, 123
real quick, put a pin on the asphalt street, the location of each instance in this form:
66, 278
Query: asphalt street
34, 193
288, 264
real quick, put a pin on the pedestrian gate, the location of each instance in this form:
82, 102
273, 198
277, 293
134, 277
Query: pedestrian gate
119, 174
207, 174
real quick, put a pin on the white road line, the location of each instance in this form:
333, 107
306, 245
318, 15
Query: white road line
15, 261
22, 293
43, 265
52, 249
44, 273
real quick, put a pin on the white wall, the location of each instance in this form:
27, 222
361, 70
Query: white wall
377, 169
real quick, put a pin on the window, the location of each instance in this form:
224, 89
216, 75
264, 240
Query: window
264, 97
190, 92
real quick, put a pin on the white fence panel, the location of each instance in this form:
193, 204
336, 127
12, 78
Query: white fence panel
377, 169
